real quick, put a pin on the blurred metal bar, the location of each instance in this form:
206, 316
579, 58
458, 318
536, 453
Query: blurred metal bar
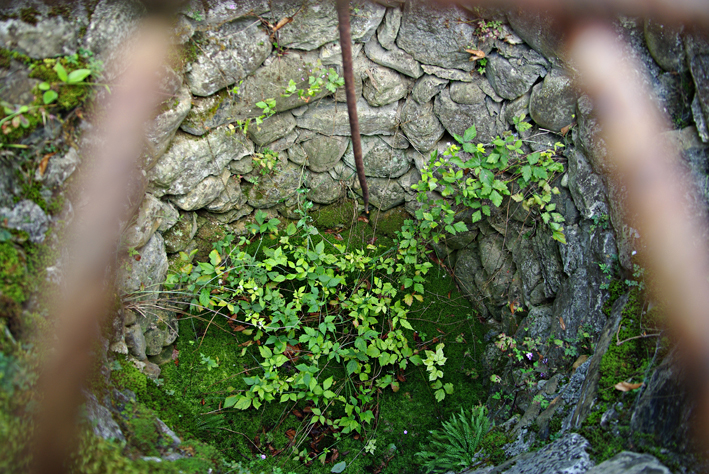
92, 245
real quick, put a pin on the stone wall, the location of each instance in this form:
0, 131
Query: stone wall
416, 86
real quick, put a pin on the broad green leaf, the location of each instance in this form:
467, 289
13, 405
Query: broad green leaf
352, 366
460, 226
49, 97
533, 158
487, 177
61, 72
496, 198
44, 86
78, 76
339, 467
527, 172
327, 383
215, 258
231, 401
477, 216
204, 297
470, 134
243, 403
540, 173
265, 351
405, 324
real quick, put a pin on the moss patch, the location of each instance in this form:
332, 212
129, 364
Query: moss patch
334, 216
13, 272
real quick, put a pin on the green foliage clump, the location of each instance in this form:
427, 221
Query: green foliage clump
329, 324
454, 447
484, 179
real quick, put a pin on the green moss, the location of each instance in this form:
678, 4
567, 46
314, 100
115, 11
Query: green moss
143, 433
339, 215
32, 192
29, 15
98, 456
63, 11
492, 443
131, 378
5, 58
390, 222
631, 358
629, 361
13, 272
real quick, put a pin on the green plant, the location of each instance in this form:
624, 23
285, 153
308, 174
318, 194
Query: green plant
483, 180
454, 447
327, 326
638, 280
482, 65
316, 81
600, 220
488, 29
266, 159
72, 78
371, 446
15, 117
209, 362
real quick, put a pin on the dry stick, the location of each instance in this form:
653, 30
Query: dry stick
343, 18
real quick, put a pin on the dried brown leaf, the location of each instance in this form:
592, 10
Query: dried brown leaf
626, 386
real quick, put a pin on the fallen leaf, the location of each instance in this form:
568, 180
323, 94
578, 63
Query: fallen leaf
42, 167
395, 387
363, 219
566, 129
239, 328
283, 22
626, 386
561, 323
372, 240
401, 377
579, 361
475, 54
290, 434
338, 237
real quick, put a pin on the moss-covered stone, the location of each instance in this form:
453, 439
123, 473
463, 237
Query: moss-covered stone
390, 222
338, 215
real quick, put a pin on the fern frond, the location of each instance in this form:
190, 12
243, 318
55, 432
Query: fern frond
455, 445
